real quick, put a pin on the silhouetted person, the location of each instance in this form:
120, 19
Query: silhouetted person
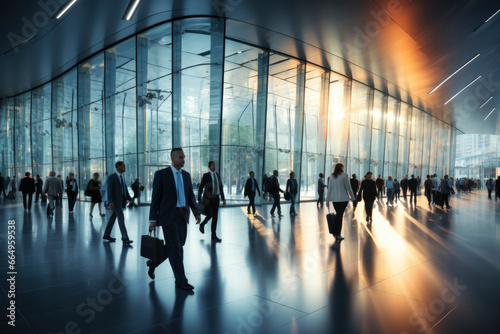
39, 187
321, 189
413, 185
117, 198
368, 192
2, 185
60, 196
274, 190
490, 185
497, 188
72, 191
380, 186
251, 187
171, 200
428, 188
444, 189
211, 188
27, 187
355, 187
95, 189
292, 187
13, 185
404, 186
136, 189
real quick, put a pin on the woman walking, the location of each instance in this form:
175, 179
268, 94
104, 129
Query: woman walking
340, 193
95, 190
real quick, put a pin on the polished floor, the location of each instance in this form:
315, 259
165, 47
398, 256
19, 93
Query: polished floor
413, 270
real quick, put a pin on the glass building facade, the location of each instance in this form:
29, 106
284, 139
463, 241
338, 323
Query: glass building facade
185, 84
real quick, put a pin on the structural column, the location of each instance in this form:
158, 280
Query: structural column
260, 119
143, 154
110, 108
84, 123
322, 122
298, 125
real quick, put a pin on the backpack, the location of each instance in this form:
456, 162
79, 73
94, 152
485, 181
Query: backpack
11, 195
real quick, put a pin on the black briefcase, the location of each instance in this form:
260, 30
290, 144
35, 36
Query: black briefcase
153, 248
333, 226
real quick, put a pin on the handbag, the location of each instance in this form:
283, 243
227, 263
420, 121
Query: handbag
203, 206
452, 191
88, 192
153, 248
287, 196
333, 225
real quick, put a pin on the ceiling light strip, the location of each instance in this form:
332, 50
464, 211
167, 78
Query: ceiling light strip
132, 7
448, 78
65, 8
486, 102
490, 113
454, 96
492, 16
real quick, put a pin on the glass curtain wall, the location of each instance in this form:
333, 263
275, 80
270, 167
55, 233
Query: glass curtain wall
315, 129
7, 137
379, 118
22, 132
91, 129
360, 129
64, 124
41, 131
198, 58
121, 112
392, 138
246, 108
154, 103
285, 104
404, 140
243, 117
338, 123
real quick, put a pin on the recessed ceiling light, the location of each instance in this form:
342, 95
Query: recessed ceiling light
454, 96
132, 7
448, 78
64, 8
490, 113
486, 102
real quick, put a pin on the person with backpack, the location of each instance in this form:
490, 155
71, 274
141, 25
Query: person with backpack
489, 185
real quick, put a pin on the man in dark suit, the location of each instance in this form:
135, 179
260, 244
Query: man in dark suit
380, 186
212, 185
250, 189
404, 186
2, 187
413, 185
117, 199
274, 190
27, 187
171, 199
368, 192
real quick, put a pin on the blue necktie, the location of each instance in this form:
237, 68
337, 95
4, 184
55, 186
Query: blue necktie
181, 201
124, 191
253, 185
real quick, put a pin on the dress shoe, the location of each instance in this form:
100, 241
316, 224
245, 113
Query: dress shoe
216, 239
280, 215
202, 228
185, 286
109, 239
127, 242
272, 215
91, 215
151, 269
102, 214
339, 237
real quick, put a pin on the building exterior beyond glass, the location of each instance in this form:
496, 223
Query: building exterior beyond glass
184, 83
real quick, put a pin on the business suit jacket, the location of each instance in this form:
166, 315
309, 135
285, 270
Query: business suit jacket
339, 189
27, 185
368, 190
248, 187
206, 182
164, 197
52, 186
289, 186
444, 187
69, 188
413, 184
115, 194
